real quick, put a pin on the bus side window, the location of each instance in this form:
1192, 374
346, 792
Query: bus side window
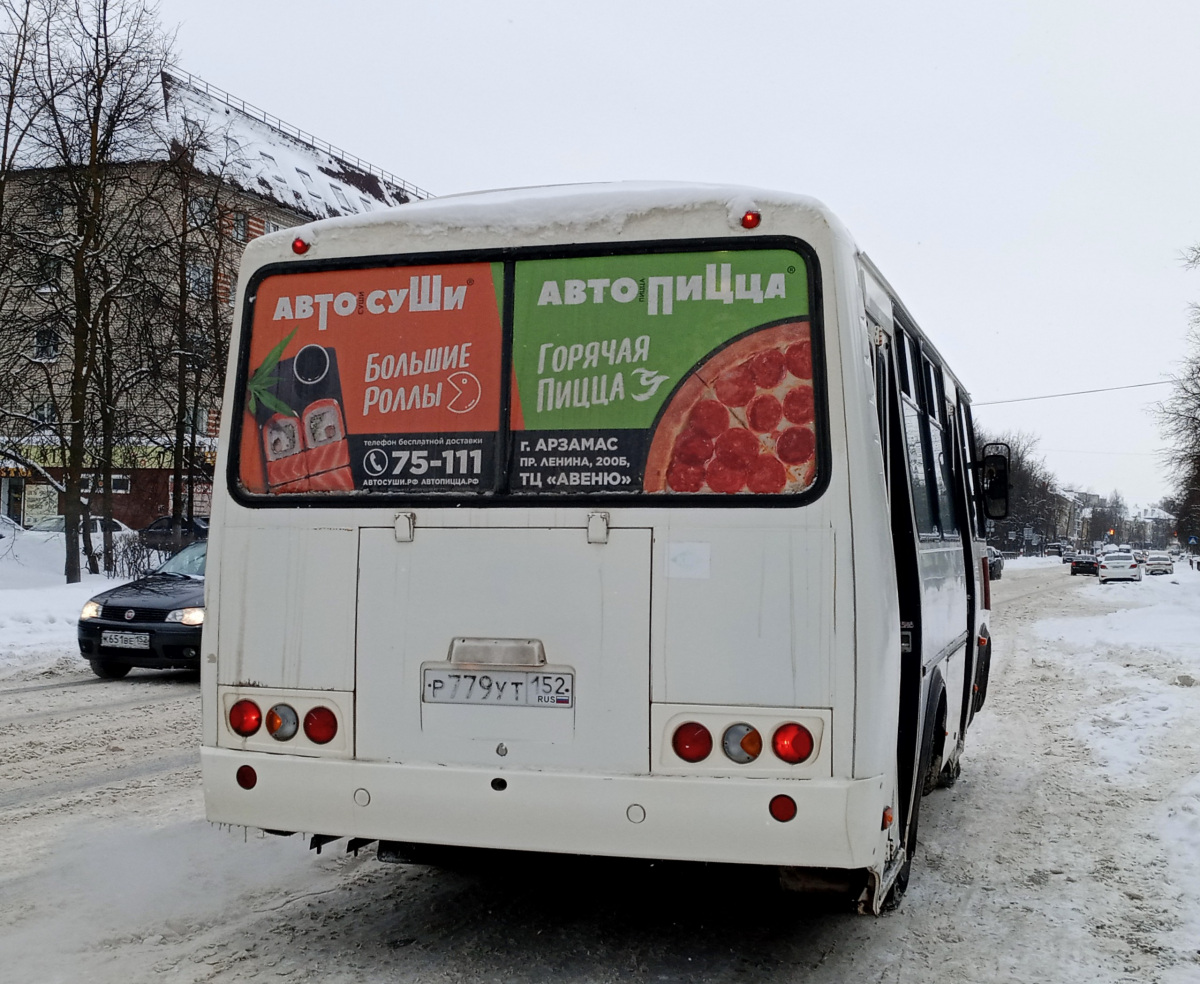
904, 355
963, 425
935, 404
923, 503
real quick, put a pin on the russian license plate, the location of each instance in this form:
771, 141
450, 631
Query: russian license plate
508, 688
125, 640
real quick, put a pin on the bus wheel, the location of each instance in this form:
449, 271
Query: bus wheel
108, 670
891, 901
982, 672
934, 757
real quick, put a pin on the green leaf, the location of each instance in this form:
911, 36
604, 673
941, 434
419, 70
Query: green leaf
272, 402
274, 355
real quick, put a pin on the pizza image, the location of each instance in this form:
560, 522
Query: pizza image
743, 421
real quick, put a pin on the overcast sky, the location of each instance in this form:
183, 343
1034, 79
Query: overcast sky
1026, 175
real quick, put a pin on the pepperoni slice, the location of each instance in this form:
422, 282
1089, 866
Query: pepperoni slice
796, 445
767, 475
736, 387
693, 448
798, 405
767, 368
799, 360
710, 418
682, 477
763, 413
737, 448
724, 477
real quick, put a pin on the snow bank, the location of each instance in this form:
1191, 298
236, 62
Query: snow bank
38, 609
1143, 664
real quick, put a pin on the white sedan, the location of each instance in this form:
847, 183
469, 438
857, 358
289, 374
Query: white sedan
1159, 563
1118, 566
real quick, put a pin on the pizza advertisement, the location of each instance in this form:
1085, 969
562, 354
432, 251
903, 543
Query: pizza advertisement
660, 373
384, 380
664, 373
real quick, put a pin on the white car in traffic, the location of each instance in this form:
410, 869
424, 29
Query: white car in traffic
1159, 563
1119, 566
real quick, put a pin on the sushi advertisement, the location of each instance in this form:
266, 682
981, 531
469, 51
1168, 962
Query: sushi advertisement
378, 380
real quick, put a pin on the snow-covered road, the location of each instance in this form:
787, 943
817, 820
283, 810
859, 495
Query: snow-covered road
1069, 850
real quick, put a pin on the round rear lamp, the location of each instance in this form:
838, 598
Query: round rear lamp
247, 778
742, 743
245, 718
793, 743
320, 724
752, 219
282, 722
783, 808
692, 742
300, 246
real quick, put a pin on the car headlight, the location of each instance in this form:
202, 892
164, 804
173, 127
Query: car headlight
90, 610
188, 616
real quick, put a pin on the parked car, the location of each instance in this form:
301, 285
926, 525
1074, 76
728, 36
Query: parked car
995, 563
58, 524
154, 621
10, 527
1119, 566
1083, 563
160, 536
1159, 563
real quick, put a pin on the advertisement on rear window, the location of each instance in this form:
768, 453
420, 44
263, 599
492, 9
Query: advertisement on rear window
684, 373
379, 380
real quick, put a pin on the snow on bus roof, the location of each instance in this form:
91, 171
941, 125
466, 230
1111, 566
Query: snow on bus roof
557, 208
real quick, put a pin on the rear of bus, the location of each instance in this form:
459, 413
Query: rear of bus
533, 530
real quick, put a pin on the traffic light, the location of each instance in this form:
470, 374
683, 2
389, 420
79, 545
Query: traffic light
1111, 532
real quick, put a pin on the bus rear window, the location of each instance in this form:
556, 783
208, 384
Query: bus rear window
666, 373
670, 374
380, 380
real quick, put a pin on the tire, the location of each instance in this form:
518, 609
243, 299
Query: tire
108, 669
892, 900
949, 775
982, 673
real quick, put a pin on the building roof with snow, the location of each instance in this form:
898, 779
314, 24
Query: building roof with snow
262, 155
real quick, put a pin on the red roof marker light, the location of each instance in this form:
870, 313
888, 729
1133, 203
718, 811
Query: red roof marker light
300, 246
752, 219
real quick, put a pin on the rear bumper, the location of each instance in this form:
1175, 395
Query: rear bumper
699, 819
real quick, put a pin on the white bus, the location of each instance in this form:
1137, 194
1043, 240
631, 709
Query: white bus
631, 520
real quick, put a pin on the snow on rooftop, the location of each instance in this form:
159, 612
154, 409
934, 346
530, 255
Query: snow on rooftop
264, 156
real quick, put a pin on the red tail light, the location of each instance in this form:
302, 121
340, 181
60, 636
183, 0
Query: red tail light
245, 718
247, 778
320, 724
692, 742
793, 743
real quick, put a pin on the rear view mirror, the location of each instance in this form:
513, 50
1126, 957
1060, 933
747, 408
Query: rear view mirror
994, 484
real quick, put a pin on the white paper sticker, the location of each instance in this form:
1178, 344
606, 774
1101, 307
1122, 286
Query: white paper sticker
688, 560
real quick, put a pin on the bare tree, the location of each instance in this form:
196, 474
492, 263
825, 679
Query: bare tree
97, 73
